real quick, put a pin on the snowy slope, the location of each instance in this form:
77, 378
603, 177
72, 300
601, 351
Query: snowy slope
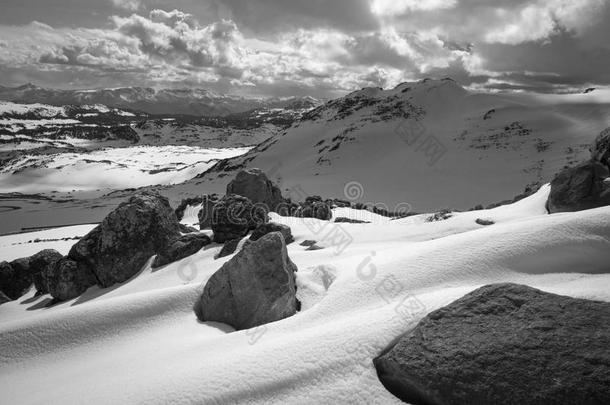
431, 144
110, 168
141, 342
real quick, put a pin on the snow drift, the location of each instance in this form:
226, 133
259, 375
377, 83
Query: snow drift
140, 342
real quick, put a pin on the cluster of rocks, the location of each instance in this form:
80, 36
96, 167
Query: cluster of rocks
586, 185
146, 226
111, 253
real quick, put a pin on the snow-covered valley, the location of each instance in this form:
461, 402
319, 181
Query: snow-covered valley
110, 168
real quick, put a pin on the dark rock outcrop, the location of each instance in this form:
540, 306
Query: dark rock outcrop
234, 216
68, 279
600, 149
264, 229
206, 213
351, 221
187, 229
228, 248
255, 287
119, 247
3, 298
254, 184
504, 344
314, 207
13, 283
484, 222
580, 188
39, 266
180, 248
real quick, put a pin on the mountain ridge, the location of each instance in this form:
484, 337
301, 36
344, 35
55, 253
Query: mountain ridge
185, 101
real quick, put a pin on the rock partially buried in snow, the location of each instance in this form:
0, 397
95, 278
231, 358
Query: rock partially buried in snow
118, 248
314, 207
504, 344
40, 264
234, 216
600, 149
180, 248
484, 222
264, 229
255, 287
580, 188
3, 298
68, 279
12, 282
255, 185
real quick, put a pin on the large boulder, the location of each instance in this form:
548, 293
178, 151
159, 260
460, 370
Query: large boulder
264, 229
254, 184
68, 279
39, 266
600, 149
580, 188
13, 283
234, 216
255, 287
180, 248
119, 247
504, 344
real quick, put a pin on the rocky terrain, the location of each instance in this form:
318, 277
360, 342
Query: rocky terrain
499, 343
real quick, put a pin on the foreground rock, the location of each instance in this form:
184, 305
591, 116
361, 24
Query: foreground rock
579, 188
39, 266
504, 344
68, 279
254, 184
264, 229
13, 283
234, 216
119, 247
180, 248
255, 287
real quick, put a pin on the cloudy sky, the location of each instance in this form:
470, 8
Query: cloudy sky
318, 47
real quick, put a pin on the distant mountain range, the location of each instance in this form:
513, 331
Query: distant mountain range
198, 102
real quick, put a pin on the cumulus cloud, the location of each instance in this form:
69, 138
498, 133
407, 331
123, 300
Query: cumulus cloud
326, 47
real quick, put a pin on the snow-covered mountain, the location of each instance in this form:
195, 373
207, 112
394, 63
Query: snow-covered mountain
431, 144
163, 101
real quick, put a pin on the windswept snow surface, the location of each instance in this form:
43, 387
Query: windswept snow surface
141, 342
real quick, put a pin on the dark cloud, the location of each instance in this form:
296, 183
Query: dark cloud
273, 16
